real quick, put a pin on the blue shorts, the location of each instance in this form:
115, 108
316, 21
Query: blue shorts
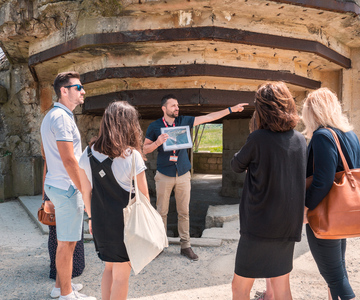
69, 212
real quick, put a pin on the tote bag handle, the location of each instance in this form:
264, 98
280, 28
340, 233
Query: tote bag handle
348, 173
133, 175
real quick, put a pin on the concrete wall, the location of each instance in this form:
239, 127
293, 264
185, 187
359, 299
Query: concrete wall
28, 39
350, 82
150, 162
20, 119
6, 190
207, 163
235, 133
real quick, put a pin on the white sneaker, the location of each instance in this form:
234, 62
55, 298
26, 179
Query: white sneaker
76, 296
55, 293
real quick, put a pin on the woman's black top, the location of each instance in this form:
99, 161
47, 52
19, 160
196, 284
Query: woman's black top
272, 203
324, 158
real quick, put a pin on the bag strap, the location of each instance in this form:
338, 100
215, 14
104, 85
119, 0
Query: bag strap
343, 159
89, 151
43, 181
133, 175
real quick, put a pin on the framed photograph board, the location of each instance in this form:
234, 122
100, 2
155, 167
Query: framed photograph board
179, 138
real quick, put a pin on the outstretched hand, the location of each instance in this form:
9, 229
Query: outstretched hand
238, 107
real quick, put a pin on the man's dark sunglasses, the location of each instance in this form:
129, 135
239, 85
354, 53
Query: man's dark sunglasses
78, 86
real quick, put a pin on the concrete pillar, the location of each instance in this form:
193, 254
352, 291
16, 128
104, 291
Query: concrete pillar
6, 190
20, 119
3, 95
235, 133
150, 162
351, 90
27, 175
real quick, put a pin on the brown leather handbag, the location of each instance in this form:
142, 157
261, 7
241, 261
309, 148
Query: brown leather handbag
338, 215
46, 218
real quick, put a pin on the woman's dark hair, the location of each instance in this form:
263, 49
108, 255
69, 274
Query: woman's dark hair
275, 107
252, 124
119, 130
63, 79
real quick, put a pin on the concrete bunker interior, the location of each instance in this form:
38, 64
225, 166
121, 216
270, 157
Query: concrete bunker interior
211, 54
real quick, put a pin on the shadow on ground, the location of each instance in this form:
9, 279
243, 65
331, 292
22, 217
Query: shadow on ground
205, 191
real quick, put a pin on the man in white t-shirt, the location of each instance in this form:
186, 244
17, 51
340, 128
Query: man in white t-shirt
62, 147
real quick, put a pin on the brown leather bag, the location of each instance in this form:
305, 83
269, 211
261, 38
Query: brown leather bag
46, 218
338, 215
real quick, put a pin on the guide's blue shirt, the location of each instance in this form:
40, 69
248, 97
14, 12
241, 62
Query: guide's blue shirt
164, 165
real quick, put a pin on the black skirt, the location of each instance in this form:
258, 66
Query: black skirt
263, 259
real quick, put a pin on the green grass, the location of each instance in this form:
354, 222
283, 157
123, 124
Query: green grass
211, 139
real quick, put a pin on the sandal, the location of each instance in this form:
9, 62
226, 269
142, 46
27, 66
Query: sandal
259, 295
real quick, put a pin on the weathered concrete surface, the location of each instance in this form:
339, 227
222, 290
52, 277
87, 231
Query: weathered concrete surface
31, 205
28, 174
20, 118
207, 163
221, 233
42, 38
3, 95
24, 268
217, 215
222, 222
235, 133
6, 180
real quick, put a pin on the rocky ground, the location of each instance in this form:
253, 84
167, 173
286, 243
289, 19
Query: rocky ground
24, 267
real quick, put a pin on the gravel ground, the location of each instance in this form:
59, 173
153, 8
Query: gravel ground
24, 267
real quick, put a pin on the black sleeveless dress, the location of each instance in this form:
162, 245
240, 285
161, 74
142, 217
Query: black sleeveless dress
107, 202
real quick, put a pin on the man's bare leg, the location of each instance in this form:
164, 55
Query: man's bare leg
64, 265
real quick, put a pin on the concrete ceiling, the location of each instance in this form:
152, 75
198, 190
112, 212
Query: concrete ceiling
230, 46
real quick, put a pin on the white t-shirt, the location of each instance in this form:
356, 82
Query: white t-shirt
59, 125
121, 167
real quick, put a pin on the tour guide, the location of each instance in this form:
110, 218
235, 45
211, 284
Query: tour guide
173, 167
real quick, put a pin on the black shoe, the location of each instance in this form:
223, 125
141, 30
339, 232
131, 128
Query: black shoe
189, 253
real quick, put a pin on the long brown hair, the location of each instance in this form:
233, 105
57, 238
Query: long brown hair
275, 107
119, 130
252, 124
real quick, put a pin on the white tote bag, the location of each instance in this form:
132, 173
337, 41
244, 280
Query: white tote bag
144, 231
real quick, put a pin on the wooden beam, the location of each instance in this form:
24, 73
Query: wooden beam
198, 70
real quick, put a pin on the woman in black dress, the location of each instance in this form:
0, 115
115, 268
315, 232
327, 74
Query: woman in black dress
105, 172
272, 203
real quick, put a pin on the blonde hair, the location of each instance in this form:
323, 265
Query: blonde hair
322, 108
